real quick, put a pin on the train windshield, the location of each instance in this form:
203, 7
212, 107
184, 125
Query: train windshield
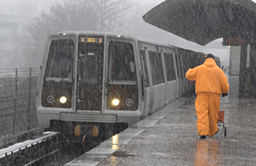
60, 60
121, 62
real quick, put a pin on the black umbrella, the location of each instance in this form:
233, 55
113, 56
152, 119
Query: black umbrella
203, 21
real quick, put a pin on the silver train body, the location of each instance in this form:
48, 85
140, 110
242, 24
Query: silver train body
105, 78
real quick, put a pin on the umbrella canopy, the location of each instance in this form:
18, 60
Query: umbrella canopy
202, 21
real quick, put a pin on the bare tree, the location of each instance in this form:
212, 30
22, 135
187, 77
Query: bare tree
82, 15
112, 13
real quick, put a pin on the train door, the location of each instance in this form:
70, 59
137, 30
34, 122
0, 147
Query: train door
178, 75
90, 73
145, 81
121, 91
165, 77
181, 62
171, 85
183, 72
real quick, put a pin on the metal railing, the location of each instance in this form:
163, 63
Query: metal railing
17, 100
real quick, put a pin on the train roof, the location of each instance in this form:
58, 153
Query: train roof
140, 40
148, 41
89, 32
143, 40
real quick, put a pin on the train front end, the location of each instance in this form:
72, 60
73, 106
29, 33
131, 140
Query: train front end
89, 84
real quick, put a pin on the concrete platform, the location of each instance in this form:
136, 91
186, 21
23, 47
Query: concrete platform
169, 137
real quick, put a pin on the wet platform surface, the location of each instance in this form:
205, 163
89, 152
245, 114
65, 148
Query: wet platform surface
169, 137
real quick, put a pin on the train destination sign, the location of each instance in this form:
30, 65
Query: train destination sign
91, 40
233, 41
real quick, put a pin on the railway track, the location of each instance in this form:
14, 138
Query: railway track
49, 149
30, 152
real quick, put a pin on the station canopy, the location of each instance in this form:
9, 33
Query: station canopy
203, 21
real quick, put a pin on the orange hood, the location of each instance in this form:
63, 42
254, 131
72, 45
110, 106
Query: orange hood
209, 78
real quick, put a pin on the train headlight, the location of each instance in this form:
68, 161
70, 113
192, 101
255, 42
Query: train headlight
63, 99
50, 99
128, 102
115, 102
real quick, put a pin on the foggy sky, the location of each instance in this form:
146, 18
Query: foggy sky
37, 6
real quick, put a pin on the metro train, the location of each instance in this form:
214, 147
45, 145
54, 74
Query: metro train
92, 83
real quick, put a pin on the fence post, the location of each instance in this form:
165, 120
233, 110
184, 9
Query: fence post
29, 97
15, 100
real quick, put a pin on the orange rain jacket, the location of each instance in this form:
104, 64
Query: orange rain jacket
210, 83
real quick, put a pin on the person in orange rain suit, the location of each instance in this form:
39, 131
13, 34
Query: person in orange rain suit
210, 83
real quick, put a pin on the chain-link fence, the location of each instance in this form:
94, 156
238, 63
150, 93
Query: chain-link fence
17, 100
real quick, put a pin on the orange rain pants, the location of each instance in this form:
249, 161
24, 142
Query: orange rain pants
207, 110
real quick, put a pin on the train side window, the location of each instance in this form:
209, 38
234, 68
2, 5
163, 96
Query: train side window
169, 63
121, 62
59, 65
143, 54
156, 67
